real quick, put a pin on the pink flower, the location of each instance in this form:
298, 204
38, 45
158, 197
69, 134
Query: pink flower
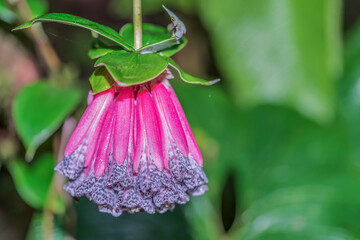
133, 150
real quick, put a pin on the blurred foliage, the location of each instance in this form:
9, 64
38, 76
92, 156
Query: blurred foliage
36, 229
278, 52
170, 225
279, 135
37, 7
124, 8
33, 182
33, 126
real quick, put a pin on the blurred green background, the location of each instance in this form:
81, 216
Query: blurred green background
280, 133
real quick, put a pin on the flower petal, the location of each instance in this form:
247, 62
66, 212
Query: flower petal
104, 148
193, 147
165, 103
90, 97
124, 105
154, 141
89, 119
96, 126
139, 134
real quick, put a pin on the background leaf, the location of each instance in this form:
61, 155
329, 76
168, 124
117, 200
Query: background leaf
6, 14
39, 109
33, 180
37, 7
36, 229
252, 39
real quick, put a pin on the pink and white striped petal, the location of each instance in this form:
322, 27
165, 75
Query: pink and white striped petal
193, 147
104, 148
124, 108
154, 141
90, 119
171, 117
94, 131
139, 135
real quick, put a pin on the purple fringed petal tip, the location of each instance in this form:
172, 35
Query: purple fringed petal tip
133, 150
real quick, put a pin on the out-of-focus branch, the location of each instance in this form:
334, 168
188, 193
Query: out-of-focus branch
40, 39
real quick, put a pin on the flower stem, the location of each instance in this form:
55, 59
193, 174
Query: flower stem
137, 24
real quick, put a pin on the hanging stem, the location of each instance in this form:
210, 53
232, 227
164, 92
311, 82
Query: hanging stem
137, 24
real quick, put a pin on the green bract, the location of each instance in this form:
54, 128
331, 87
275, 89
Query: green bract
129, 69
101, 80
122, 63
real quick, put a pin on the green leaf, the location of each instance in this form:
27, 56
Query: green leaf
37, 228
348, 89
101, 80
168, 52
37, 7
95, 53
271, 54
158, 46
155, 39
151, 33
129, 69
190, 79
32, 180
79, 22
39, 109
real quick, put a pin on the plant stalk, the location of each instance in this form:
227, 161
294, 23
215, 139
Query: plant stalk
137, 24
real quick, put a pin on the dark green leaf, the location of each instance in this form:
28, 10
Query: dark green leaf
32, 180
190, 79
271, 53
39, 109
168, 52
101, 80
158, 46
37, 228
132, 68
79, 22
151, 33
95, 53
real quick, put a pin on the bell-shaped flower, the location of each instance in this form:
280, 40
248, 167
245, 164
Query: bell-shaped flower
133, 150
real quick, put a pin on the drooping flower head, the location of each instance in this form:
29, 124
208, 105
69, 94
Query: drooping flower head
133, 149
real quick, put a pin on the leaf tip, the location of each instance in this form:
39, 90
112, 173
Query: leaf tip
29, 155
213, 81
22, 26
